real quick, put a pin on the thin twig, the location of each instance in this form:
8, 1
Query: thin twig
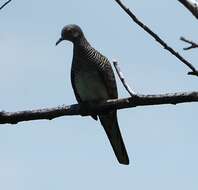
158, 39
192, 44
191, 5
5, 4
97, 108
121, 76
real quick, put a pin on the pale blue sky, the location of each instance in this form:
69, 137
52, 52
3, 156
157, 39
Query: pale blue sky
73, 152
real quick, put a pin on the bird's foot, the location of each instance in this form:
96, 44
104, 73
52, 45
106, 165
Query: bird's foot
88, 107
85, 108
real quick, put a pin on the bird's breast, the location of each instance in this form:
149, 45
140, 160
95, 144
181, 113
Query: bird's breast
89, 83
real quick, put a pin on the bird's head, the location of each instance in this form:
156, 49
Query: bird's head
71, 33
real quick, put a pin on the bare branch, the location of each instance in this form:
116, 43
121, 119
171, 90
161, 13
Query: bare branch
158, 39
5, 4
97, 108
121, 76
193, 44
191, 5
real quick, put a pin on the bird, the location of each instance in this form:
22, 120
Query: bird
93, 79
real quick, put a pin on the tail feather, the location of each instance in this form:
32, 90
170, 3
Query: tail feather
111, 127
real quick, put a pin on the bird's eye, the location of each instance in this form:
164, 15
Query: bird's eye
69, 31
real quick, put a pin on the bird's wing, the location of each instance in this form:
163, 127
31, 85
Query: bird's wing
107, 75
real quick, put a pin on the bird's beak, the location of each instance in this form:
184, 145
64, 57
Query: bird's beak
60, 40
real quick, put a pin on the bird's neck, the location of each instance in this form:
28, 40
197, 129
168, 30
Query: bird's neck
81, 42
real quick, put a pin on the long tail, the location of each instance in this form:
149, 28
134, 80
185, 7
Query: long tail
110, 124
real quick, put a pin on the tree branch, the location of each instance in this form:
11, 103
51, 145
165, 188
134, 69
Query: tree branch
97, 108
5, 4
191, 5
192, 44
121, 76
157, 38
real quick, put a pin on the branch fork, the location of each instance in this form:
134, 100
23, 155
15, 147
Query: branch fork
157, 38
192, 44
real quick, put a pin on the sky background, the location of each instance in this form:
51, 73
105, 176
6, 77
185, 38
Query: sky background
74, 152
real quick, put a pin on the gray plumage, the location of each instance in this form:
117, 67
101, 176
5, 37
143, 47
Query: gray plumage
93, 79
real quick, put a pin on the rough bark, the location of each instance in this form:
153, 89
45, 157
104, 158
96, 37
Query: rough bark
96, 108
